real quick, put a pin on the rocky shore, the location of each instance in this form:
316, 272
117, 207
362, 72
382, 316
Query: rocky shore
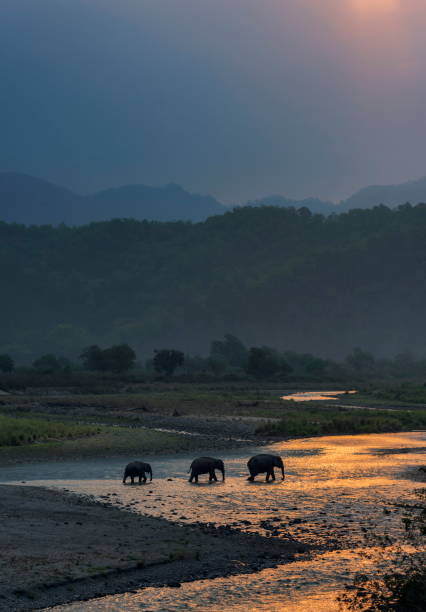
58, 547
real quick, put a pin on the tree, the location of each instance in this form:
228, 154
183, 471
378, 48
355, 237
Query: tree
50, 364
92, 358
119, 358
263, 362
217, 364
231, 349
362, 362
313, 366
167, 360
6, 363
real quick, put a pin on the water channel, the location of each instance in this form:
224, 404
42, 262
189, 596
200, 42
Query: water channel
337, 489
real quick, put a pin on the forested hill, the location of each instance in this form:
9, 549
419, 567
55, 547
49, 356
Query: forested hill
269, 275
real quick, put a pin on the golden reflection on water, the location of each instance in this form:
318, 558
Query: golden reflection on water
309, 396
337, 490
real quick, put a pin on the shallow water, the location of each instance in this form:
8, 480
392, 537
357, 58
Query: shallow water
337, 489
308, 396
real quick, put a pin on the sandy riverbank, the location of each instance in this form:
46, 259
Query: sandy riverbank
58, 547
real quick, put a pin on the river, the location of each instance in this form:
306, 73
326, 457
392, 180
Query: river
337, 489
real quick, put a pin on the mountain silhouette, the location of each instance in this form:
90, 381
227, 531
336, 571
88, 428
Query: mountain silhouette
389, 195
33, 201
29, 200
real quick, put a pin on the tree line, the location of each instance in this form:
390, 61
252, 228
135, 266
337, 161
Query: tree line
228, 358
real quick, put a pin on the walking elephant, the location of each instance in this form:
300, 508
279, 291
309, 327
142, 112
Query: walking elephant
137, 469
265, 463
206, 465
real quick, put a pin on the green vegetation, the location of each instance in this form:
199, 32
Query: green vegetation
20, 431
81, 425
403, 393
38, 439
274, 276
118, 358
167, 360
105, 369
6, 363
308, 421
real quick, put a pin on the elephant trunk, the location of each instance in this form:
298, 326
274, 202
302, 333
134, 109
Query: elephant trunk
150, 473
222, 469
282, 469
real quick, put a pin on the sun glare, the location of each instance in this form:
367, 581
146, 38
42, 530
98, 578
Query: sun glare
374, 8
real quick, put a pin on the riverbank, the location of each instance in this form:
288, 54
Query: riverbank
178, 418
158, 435
58, 547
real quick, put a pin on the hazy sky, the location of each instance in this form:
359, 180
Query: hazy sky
237, 98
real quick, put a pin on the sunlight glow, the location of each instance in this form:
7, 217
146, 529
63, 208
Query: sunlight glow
374, 8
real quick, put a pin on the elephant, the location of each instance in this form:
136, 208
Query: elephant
206, 465
137, 468
264, 463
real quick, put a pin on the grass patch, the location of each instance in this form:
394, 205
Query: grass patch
317, 422
108, 441
15, 431
401, 395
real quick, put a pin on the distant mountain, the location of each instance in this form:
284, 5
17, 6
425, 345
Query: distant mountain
33, 201
169, 203
368, 197
28, 200
390, 195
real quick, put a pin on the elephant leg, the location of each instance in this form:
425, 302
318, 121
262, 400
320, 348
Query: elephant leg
252, 476
140, 478
273, 474
144, 479
133, 479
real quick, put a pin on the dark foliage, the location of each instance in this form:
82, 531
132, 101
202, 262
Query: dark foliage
50, 364
268, 275
265, 362
117, 358
167, 360
230, 350
6, 363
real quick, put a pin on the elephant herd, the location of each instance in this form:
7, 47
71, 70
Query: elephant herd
259, 464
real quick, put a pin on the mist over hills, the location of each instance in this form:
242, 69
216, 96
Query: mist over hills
269, 275
390, 195
33, 201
